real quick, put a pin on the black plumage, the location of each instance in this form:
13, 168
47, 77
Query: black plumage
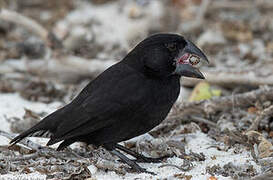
127, 100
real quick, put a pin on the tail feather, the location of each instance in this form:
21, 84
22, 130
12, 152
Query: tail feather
36, 128
42, 133
21, 136
53, 141
65, 143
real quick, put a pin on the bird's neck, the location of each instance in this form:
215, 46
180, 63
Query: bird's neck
133, 61
137, 63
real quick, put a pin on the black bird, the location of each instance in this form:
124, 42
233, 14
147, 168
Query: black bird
126, 100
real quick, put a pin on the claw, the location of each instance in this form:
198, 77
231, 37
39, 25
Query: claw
142, 170
141, 158
151, 160
134, 166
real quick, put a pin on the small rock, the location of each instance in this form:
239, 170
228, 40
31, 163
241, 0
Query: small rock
133, 10
258, 47
33, 48
244, 49
212, 178
224, 123
265, 148
252, 110
92, 169
271, 134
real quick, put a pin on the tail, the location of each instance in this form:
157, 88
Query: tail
37, 128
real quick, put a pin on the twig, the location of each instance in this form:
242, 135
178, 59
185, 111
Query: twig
186, 166
44, 150
266, 161
234, 5
21, 158
231, 79
172, 165
109, 165
198, 21
214, 105
267, 176
31, 25
25, 142
265, 113
203, 120
8, 165
202, 11
65, 69
240, 5
239, 138
222, 103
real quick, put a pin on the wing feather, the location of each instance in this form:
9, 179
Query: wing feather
100, 104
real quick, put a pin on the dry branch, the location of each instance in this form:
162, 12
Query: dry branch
42, 151
265, 113
267, 175
234, 5
199, 20
214, 105
25, 142
228, 102
68, 69
32, 26
20, 158
231, 79
240, 5
65, 68
203, 120
29, 24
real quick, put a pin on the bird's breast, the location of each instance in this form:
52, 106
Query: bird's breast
163, 96
166, 92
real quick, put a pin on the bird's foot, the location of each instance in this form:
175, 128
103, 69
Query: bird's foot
144, 159
140, 157
136, 168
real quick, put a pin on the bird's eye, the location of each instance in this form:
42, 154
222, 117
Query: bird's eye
171, 46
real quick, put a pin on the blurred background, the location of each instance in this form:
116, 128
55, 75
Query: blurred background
70, 41
49, 50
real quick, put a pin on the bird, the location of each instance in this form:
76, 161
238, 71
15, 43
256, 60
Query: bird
126, 100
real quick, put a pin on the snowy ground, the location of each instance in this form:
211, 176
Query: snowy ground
12, 105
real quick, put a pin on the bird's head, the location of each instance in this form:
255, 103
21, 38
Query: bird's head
164, 55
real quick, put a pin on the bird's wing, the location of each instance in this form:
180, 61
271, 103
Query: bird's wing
103, 103
89, 117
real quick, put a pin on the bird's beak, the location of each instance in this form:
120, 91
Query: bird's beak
186, 60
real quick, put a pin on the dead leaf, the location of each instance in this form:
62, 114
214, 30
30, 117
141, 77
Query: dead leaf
203, 91
212, 178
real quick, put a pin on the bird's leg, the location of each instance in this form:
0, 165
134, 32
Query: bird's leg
139, 157
131, 163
